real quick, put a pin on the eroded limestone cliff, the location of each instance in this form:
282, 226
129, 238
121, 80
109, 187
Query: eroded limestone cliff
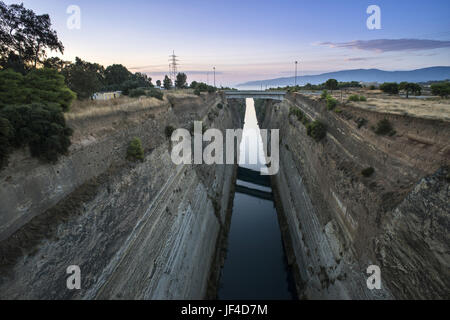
340, 222
145, 230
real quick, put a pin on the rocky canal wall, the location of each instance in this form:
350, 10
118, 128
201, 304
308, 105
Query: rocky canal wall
341, 222
144, 230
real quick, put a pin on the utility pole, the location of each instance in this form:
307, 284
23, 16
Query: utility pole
173, 67
296, 63
214, 77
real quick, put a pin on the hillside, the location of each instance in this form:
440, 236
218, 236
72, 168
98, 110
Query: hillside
366, 75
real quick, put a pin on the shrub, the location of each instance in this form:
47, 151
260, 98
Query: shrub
317, 130
324, 95
169, 131
202, 87
361, 122
136, 93
305, 121
296, 112
368, 172
135, 151
220, 106
331, 103
156, 93
384, 127
129, 86
41, 127
356, 98
337, 110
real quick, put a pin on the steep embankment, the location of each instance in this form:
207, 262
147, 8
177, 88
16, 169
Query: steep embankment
340, 222
145, 230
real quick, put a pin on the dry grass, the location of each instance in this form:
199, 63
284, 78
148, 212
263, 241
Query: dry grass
429, 108
89, 108
421, 108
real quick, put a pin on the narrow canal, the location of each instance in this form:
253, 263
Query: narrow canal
256, 265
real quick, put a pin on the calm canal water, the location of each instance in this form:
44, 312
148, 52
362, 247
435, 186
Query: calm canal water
256, 265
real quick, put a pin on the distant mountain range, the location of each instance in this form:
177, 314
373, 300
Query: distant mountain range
365, 75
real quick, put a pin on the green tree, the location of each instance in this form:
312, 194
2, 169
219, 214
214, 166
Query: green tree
25, 37
158, 83
410, 87
55, 63
44, 86
47, 86
194, 85
84, 78
331, 84
416, 89
441, 89
31, 113
116, 75
167, 83
142, 80
12, 90
389, 87
181, 81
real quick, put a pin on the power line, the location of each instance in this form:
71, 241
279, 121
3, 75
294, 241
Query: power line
173, 67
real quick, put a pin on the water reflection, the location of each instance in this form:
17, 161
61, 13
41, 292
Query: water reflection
255, 267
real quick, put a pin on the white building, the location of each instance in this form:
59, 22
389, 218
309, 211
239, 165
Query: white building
106, 95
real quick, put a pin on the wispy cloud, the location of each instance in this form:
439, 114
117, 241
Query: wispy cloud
358, 59
386, 45
162, 73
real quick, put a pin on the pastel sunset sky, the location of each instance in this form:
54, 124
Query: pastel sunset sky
253, 40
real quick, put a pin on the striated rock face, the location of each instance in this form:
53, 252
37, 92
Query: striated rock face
341, 222
145, 230
414, 249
